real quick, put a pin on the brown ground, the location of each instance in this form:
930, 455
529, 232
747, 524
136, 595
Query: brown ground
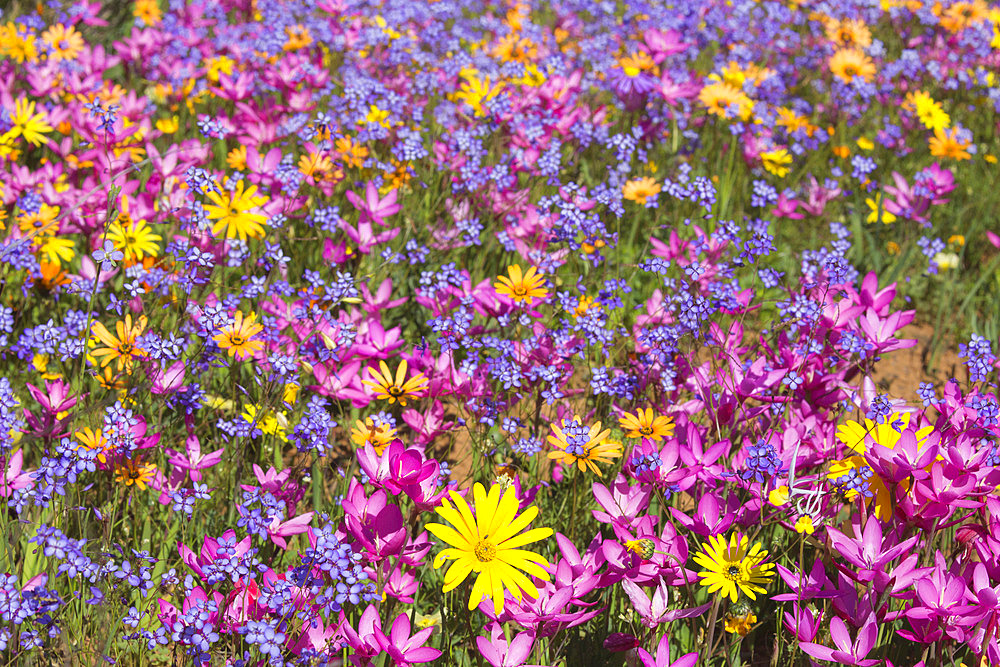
900, 372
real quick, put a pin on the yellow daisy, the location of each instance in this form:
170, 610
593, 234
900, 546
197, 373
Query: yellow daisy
398, 389
849, 63
487, 543
134, 238
368, 433
720, 97
930, 113
237, 336
733, 567
232, 213
64, 43
520, 286
644, 425
135, 471
56, 249
641, 189
28, 124
122, 347
776, 161
949, 144
575, 443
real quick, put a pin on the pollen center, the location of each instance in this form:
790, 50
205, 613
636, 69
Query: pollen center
733, 573
236, 340
484, 551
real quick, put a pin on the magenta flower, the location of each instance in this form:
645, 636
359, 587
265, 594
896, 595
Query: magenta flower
617, 642
402, 585
881, 330
499, 653
787, 208
398, 469
55, 399
403, 649
711, 518
13, 478
545, 615
278, 530
663, 43
167, 380
847, 652
806, 586
363, 642
942, 593
381, 299
622, 504
343, 383
655, 611
374, 522
373, 209
907, 459
210, 551
374, 342
315, 636
802, 622
429, 424
817, 197
192, 460
871, 553
364, 235
662, 658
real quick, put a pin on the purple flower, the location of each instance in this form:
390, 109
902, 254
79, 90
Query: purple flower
108, 256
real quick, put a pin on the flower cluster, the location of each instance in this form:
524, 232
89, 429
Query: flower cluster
593, 302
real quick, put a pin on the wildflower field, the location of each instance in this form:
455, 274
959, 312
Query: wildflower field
646, 333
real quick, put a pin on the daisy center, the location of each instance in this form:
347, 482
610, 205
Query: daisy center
125, 348
236, 339
394, 391
484, 551
646, 430
519, 290
733, 573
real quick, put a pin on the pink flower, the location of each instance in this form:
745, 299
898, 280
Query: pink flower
847, 652
403, 649
662, 658
499, 653
373, 209
374, 522
278, 530
787, 208
192, 459
13, 478
380, 301
663, 43
622, 504
210, 551
398, 469
169, 380
655, 611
